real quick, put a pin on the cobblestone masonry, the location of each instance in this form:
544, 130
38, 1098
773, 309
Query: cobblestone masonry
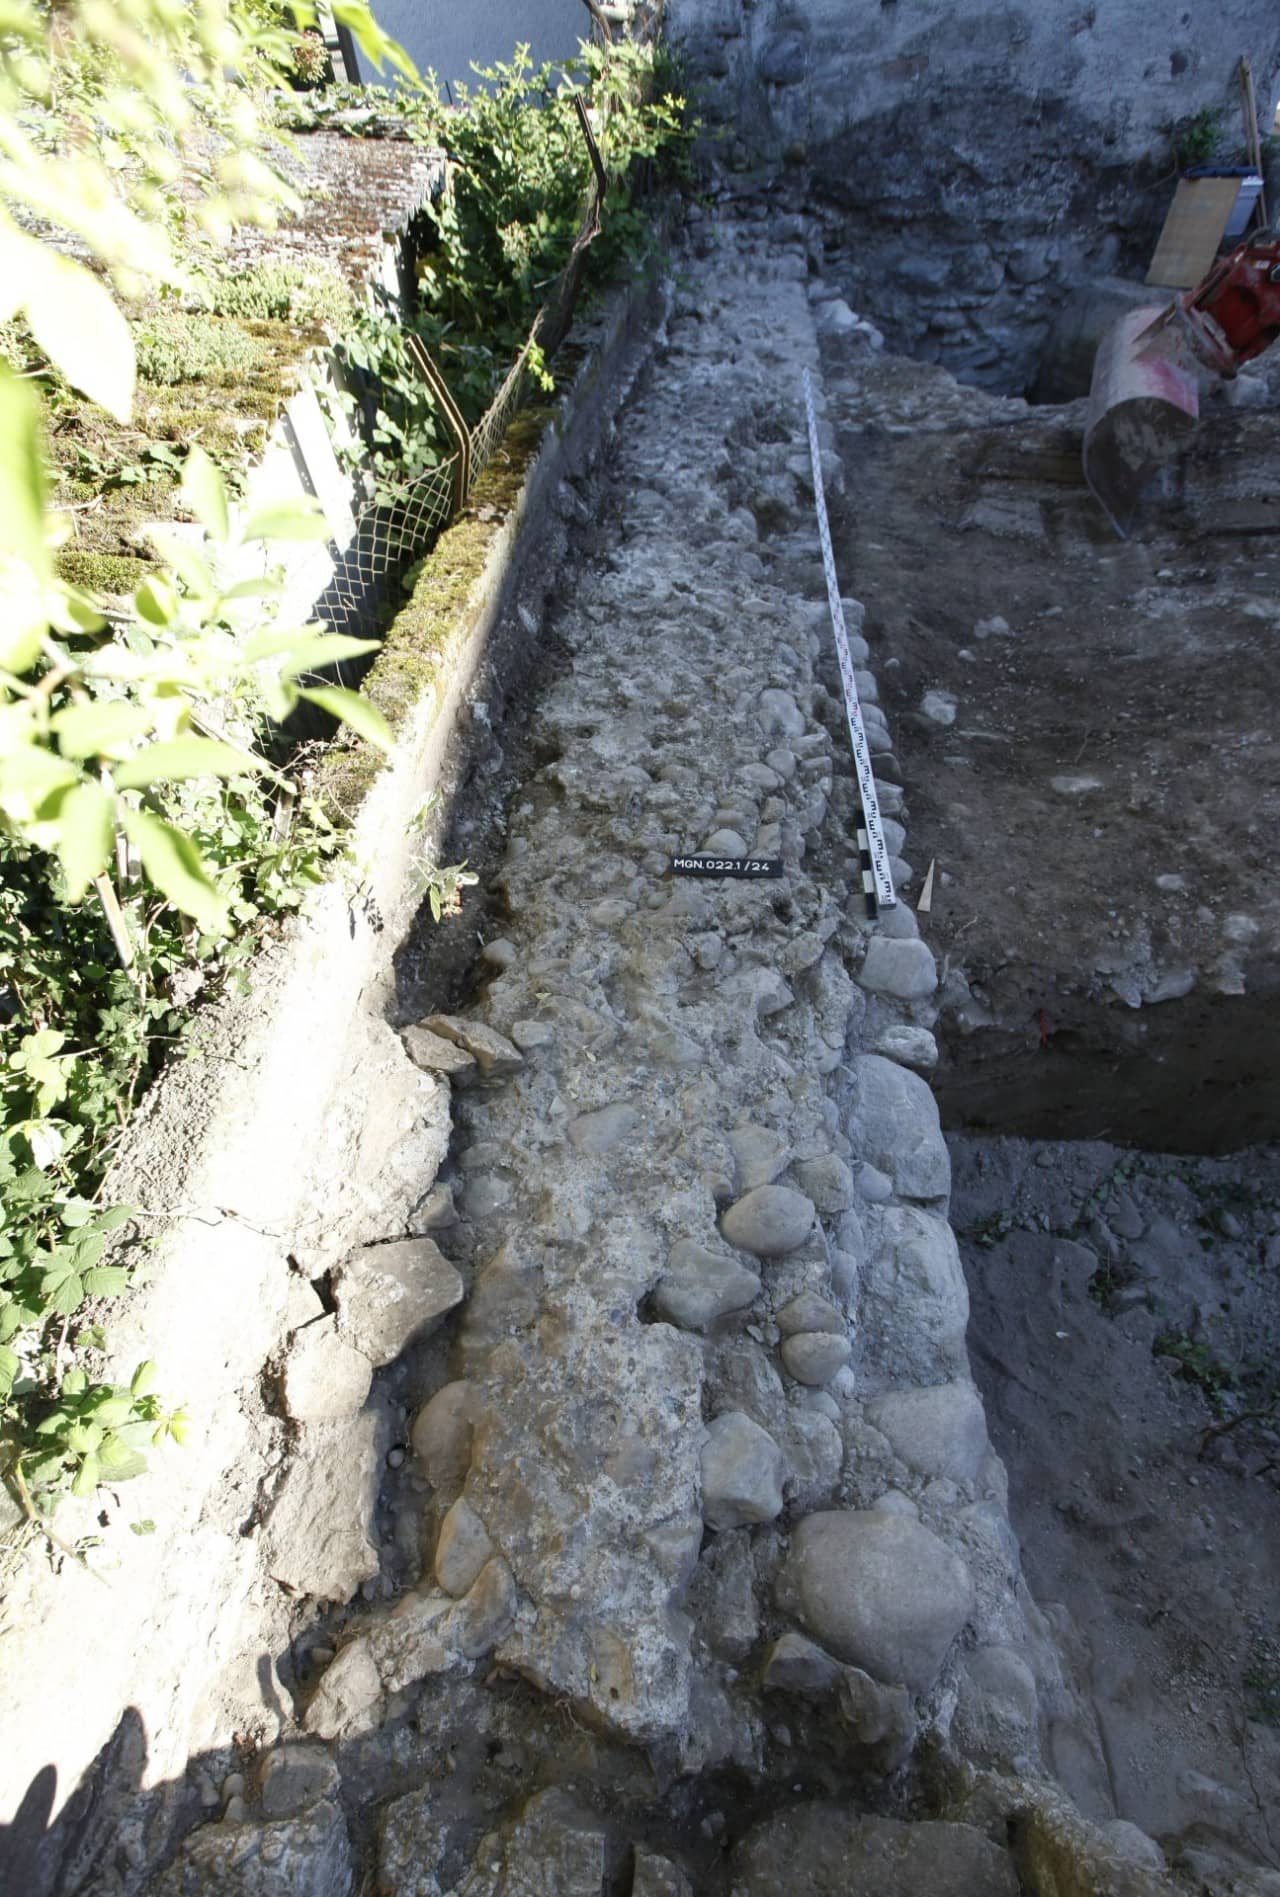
698, 1476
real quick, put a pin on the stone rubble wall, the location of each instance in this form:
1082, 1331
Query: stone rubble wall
977, 163
697, 1466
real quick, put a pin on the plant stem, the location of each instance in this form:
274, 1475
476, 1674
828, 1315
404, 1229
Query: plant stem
115, 919
36, 1520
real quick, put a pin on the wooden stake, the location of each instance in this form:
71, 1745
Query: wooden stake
1253, 144
115, 921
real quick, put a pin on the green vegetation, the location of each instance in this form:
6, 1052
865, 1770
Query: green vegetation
413, 652
1199, 1363
1240, 1385
95, 996
102, 573
989, 1231
147, 835
310, 61
502, 233
87, 1035
307, 297
116, 479
1197, 139
141, 840
175, 345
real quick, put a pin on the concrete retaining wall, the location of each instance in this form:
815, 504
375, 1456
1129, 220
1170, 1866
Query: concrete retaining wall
295, 1129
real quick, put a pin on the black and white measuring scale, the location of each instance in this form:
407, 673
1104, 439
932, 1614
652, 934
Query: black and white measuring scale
877, 877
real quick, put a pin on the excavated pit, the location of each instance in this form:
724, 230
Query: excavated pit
1087, 730
1084, 729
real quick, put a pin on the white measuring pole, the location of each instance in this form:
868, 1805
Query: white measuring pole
877, 878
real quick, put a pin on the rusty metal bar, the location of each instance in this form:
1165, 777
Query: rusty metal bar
422, 361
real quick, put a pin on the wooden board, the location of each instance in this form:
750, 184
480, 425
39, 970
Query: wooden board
1192, 231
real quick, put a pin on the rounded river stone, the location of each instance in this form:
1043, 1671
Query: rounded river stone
879, 1591
769, 1221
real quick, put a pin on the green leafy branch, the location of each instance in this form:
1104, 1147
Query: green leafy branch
502, 231
135, 133
90, 728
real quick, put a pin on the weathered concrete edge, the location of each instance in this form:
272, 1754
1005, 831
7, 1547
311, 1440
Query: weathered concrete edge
220, 1158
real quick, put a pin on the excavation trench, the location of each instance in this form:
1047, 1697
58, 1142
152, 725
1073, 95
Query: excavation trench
668, 1549
1197, 1076
1084, 730
1088, 730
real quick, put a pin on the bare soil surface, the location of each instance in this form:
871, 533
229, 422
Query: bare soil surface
1085, 729
1125, 1321
1101, 805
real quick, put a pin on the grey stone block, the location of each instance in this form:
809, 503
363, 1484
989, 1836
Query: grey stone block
879, 1591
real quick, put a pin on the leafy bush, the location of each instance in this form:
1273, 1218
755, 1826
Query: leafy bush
498, 238
521, 178
85, 1036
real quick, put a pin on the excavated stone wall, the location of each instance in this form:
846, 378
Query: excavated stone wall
636, 1527
976, 162
659, 1218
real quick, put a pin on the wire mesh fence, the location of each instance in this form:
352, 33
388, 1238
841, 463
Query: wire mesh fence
397, 529
493, 424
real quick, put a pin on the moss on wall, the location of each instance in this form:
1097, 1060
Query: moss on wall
111, 573
421, 634
421, 644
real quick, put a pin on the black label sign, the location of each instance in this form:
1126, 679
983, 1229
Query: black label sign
743, 866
